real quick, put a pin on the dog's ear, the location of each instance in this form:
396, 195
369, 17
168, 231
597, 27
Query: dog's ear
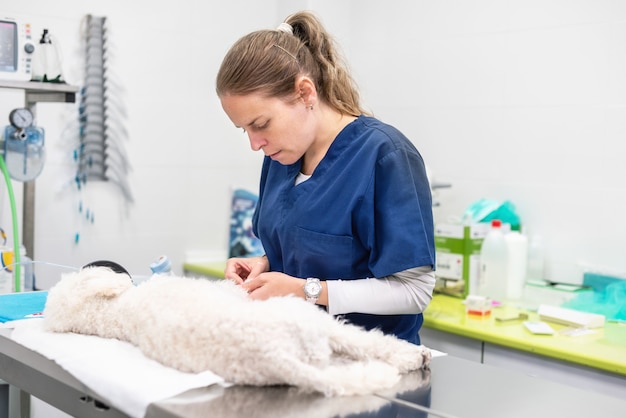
110, 264
103, 282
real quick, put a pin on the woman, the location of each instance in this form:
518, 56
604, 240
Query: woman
344, 211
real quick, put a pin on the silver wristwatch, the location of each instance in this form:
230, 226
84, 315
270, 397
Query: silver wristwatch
312, 289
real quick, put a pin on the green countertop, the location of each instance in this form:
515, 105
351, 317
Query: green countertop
604, 349
209, 268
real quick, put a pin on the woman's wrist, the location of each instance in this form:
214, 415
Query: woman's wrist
322, 297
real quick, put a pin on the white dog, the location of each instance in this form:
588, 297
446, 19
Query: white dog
195, 325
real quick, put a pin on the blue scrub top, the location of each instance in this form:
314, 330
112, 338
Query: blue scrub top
365, 212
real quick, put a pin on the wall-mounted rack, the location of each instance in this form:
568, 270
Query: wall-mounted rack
37, 92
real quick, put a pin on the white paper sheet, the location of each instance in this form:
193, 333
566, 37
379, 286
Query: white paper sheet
116, 370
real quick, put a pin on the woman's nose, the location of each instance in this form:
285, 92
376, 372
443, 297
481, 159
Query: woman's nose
256, 141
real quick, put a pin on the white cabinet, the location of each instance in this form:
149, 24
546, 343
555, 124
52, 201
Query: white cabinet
571, 374
452, 344
586, 378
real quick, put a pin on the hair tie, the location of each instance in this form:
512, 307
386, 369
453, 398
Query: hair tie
285, 27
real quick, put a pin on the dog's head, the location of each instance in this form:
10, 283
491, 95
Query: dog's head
79, 301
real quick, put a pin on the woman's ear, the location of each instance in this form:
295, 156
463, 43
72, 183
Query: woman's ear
306, 88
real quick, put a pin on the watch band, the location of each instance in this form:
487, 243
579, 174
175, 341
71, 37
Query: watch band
312, 289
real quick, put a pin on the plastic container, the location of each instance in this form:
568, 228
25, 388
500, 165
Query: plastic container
29, 275
492, 278
46, 61
477, 305
517, 247
536, 259
24, 152
161, 265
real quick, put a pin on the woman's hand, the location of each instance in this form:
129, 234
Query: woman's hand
242, 269
266, 285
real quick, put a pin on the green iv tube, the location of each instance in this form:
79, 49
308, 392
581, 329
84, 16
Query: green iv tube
16, 241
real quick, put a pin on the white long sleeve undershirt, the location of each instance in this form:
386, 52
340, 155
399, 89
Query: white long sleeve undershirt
406, 292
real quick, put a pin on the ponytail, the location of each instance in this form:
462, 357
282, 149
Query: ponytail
270, 61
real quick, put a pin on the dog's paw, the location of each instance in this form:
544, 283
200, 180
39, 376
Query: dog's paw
414, 357
427, 356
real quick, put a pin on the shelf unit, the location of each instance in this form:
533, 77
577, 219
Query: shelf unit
37, 92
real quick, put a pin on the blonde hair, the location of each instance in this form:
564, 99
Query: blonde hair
270, 61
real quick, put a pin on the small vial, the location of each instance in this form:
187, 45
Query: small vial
161, 265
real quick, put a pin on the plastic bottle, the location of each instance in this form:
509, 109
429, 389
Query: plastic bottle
161, 265
492, 279
517, 246
46, 61
29, 275
536, 262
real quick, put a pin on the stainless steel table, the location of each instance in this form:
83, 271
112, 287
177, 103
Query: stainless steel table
44, 379
453, 387
34, 374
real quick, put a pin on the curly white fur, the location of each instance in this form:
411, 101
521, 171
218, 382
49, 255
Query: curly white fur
195, 325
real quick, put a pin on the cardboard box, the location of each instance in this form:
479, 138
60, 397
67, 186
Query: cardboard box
458, 257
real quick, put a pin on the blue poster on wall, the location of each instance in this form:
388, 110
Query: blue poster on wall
243, 242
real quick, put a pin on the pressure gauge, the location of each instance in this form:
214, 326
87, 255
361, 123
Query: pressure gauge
21, 118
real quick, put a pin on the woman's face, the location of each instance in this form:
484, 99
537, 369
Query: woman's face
283, 130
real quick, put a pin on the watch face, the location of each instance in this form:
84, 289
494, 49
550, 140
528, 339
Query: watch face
312, 288
21, 118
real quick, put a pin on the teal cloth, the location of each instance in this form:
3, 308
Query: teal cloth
15, 306
610, 301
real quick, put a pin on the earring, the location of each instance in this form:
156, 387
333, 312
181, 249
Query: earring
311, 106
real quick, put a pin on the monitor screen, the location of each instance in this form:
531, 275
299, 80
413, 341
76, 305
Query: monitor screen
8, 46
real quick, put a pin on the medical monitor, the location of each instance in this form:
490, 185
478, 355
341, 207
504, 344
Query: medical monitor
16, 49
